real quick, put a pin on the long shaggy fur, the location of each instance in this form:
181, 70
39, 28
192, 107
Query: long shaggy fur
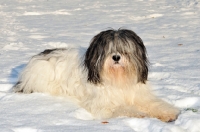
109, 78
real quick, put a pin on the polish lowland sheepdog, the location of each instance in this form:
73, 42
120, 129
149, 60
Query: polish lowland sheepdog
109, 79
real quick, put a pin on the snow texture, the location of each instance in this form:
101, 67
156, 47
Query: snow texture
169, 29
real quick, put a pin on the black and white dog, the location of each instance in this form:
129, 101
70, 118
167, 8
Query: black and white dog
109, 78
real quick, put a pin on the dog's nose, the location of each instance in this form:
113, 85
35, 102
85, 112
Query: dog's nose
116, 57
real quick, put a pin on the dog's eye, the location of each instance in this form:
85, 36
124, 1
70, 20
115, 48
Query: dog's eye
126, 53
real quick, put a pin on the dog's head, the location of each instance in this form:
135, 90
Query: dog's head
116, 56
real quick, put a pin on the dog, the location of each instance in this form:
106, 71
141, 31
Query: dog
109, 78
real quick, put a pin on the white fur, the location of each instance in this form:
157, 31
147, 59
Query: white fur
62, 73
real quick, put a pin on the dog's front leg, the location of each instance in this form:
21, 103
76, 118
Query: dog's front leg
146, 102
128, 111
163, 111
111, 111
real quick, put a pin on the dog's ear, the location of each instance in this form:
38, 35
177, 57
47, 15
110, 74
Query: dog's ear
90, 63
141, 57
142, 66
94, 58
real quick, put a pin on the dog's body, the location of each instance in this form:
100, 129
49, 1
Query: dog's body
109, 78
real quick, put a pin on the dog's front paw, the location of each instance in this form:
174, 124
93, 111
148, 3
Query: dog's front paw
168, 115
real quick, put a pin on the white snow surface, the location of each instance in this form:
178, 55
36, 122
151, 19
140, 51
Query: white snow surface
170, 30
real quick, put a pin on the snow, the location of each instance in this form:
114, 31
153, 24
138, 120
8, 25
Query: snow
169, 29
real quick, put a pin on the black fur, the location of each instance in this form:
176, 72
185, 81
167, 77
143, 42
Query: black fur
124, 41
47, 51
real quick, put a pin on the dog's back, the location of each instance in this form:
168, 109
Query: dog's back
45, 71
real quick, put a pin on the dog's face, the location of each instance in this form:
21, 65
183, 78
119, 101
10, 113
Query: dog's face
116, 57
118, 70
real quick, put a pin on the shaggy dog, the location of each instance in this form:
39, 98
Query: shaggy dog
109, 78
